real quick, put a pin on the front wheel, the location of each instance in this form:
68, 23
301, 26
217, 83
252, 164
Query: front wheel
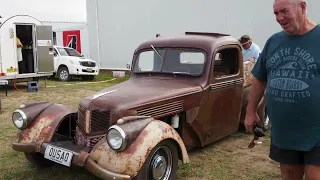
63, 74
161, 164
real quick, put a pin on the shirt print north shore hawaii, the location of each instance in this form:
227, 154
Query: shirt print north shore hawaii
290, 71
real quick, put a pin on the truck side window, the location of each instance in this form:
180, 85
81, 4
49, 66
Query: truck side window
226, 63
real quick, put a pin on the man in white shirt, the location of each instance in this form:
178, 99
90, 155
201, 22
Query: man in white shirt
250, 50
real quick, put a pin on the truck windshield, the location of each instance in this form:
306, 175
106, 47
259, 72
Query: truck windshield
170, 60
69, 52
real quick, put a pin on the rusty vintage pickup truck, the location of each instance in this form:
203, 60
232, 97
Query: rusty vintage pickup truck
183, 92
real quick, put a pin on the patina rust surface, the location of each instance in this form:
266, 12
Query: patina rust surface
131, 160
214, 106
44, 124
133, 126
99, 171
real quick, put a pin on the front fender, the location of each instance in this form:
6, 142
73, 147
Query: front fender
133, 157
44, 124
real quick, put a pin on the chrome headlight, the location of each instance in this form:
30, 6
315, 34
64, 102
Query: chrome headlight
19, 119
116, 138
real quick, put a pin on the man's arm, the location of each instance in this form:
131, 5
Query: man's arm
256, 93
258, 87
19, 44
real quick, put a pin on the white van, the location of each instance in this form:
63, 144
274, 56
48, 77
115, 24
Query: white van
69, 62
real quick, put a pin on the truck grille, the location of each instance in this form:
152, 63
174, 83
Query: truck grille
87, 64
99, 120
87, 141
82, 118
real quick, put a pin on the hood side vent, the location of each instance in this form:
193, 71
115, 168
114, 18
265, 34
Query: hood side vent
162, 109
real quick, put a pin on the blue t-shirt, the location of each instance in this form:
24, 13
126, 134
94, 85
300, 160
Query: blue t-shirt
291, 67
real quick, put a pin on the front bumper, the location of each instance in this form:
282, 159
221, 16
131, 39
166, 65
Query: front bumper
83, 70
81, 158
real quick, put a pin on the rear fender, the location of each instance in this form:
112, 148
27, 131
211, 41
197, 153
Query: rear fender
133, 157
44, 124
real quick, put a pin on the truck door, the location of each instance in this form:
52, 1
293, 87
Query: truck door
225, 95
44, 48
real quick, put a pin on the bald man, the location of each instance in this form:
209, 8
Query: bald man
288, 71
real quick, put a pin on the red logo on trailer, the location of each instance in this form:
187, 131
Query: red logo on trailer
72, 39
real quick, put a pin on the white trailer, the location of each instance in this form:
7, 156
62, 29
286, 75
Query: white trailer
37, 50
75, 37
116, 29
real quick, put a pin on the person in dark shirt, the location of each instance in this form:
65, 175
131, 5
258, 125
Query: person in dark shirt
288, 72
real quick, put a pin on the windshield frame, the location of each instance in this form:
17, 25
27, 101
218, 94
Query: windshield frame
165, 48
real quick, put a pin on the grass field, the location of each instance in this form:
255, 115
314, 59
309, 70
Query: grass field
227, 159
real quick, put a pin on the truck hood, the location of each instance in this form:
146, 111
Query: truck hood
138, 92
79, 58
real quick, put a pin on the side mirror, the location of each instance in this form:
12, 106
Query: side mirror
54, 54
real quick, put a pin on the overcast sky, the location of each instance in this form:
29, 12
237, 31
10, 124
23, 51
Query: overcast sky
52, 10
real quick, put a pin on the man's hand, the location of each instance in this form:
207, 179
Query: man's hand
251, 119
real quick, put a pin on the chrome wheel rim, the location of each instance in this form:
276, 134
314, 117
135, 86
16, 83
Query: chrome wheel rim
161, 164
64, 74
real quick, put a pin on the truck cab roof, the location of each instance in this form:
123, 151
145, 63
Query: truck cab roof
202, 40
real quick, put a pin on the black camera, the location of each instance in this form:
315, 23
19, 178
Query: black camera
258, 131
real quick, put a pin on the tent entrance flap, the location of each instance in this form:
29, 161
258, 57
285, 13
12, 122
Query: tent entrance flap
25, 48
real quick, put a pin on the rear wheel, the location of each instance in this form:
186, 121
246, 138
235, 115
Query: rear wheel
161, 164
38, 160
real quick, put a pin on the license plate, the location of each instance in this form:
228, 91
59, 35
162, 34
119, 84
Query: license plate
58, 155
89, 69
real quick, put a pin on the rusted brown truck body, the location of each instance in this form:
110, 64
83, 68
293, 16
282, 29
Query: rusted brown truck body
159, 113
